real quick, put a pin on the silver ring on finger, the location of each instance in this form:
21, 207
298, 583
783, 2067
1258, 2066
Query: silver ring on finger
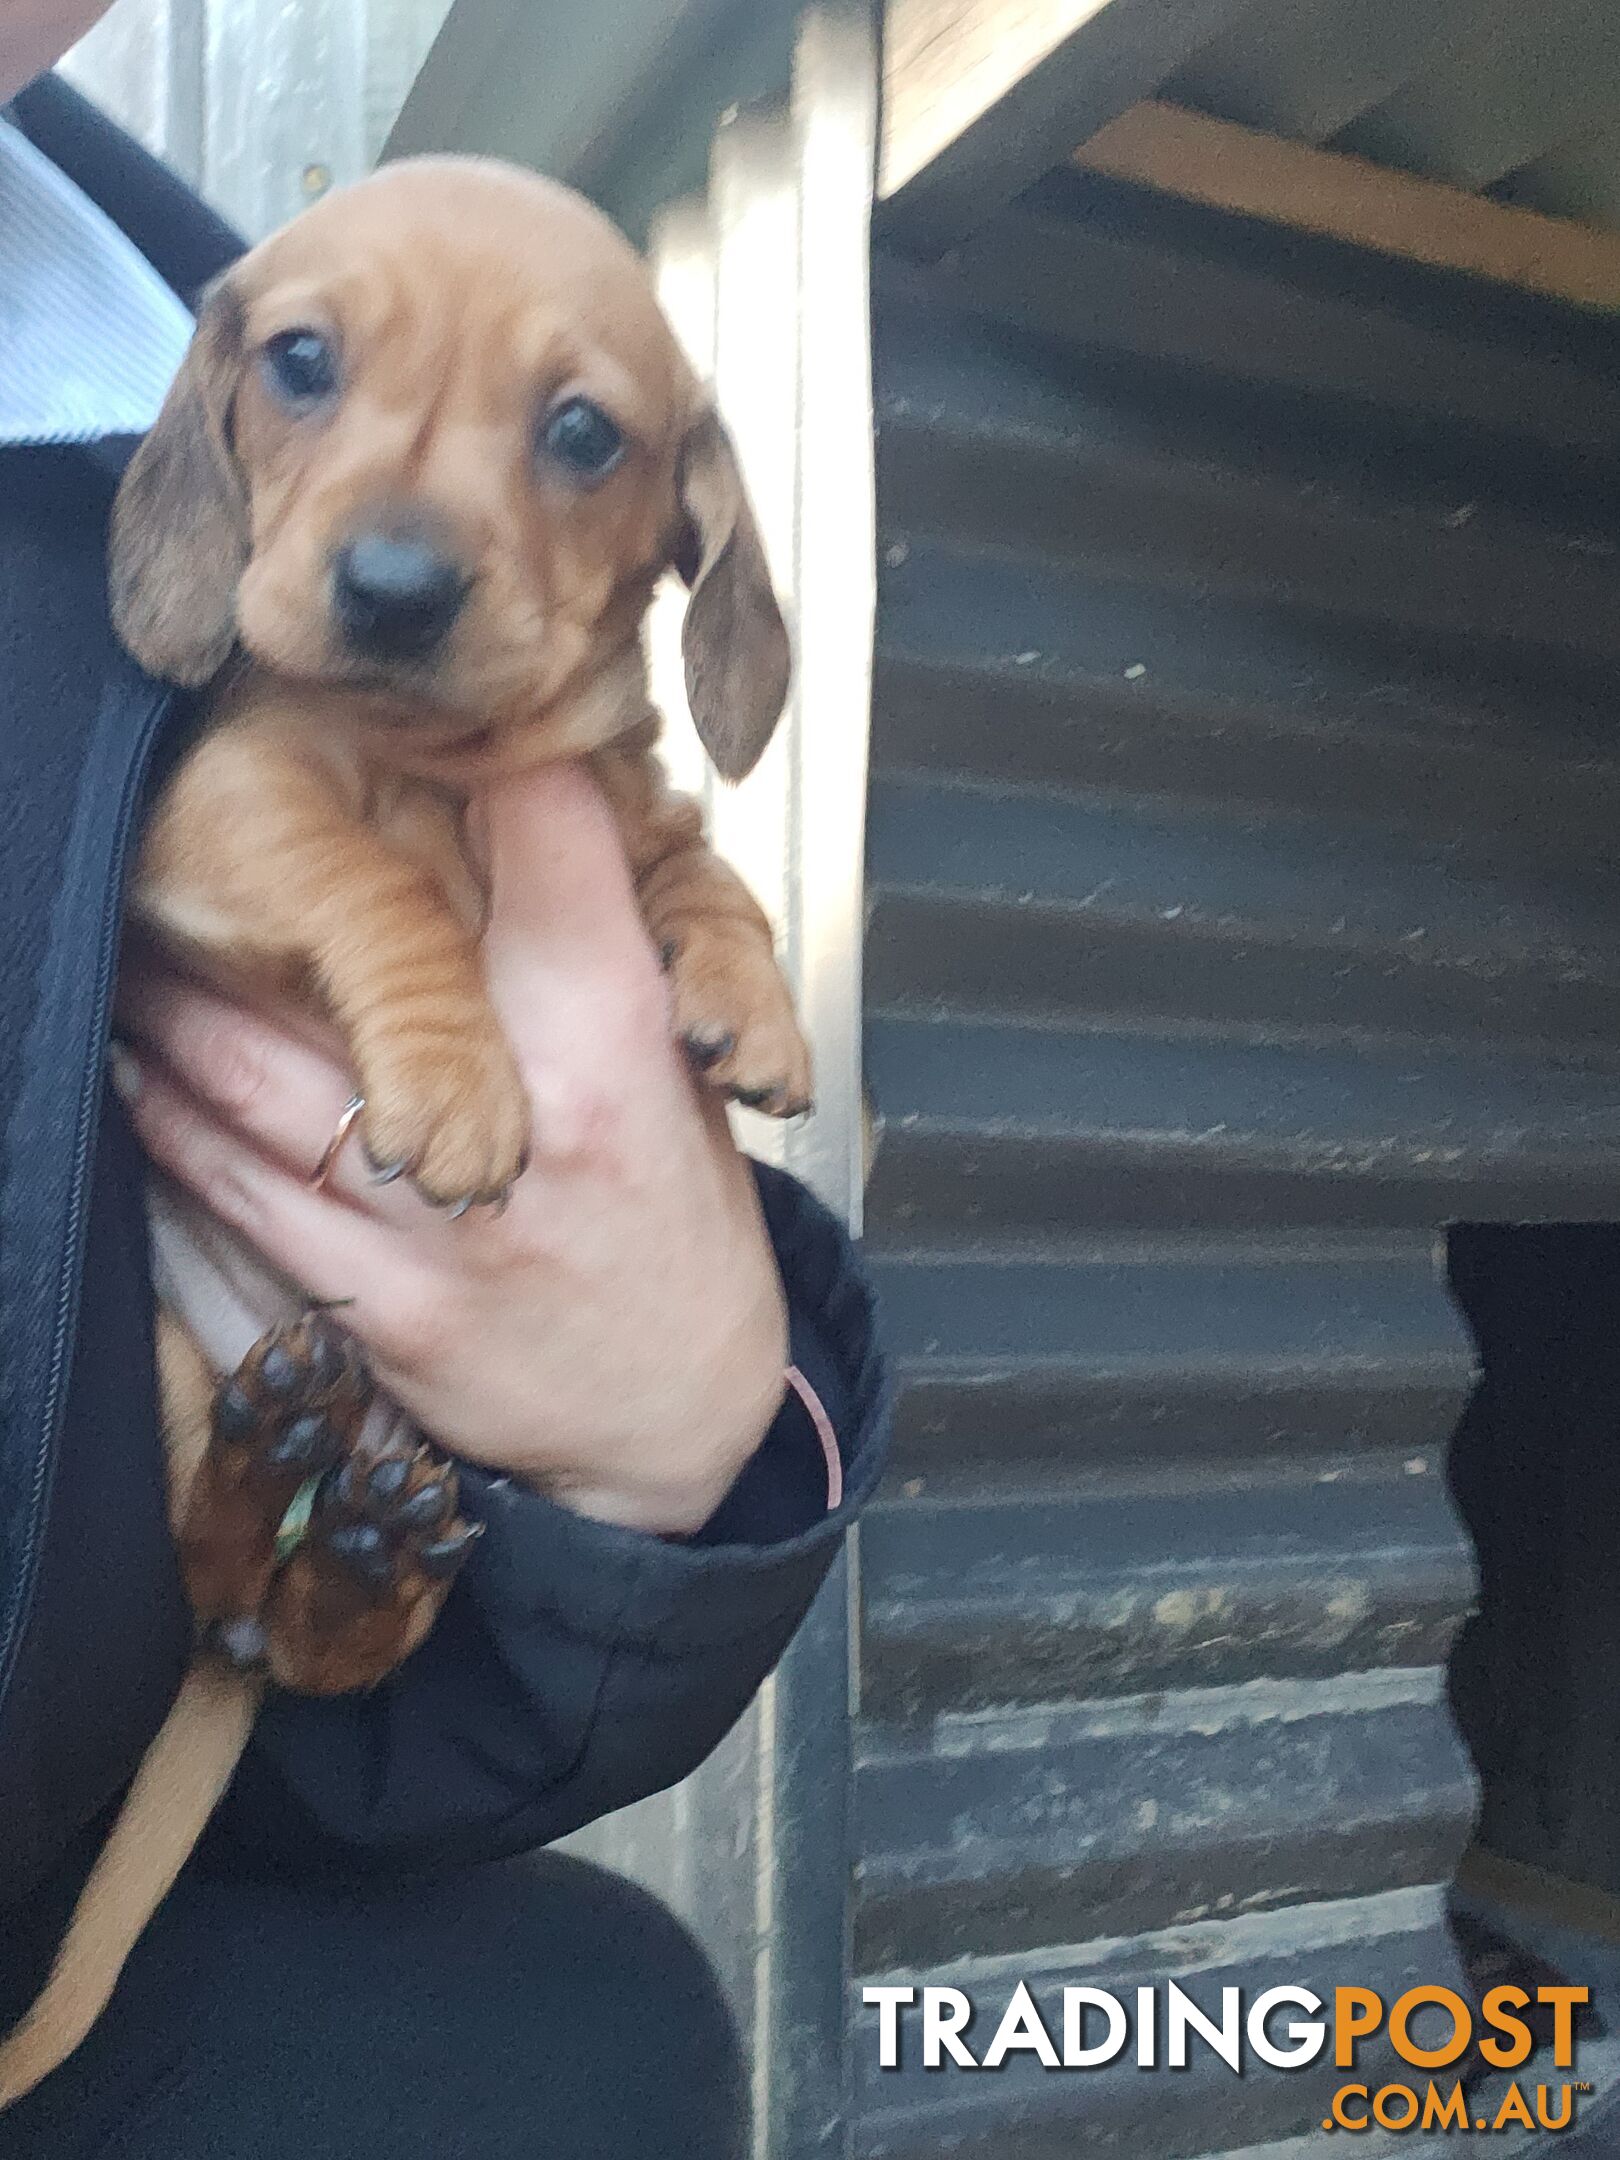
348, 1117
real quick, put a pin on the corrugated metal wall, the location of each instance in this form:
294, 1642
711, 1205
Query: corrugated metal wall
1243, 911
261, 104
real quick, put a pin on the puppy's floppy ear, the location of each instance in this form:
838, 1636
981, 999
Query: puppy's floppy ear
179, 539
738, 660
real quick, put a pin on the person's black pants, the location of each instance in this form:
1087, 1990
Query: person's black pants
533, 2009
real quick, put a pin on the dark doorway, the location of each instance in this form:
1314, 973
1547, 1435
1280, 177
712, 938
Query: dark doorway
1535, 1677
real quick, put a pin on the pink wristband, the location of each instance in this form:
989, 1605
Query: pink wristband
817, 1412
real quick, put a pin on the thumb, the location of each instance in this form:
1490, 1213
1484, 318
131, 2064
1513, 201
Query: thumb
558, 875
567, 958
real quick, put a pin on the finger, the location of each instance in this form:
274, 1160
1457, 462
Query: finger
558, 872
331, 1251
570, 967
278, 1093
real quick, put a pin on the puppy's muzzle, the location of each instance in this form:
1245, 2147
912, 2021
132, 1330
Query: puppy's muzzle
396, 595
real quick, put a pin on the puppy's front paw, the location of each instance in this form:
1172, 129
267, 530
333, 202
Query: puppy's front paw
735, 1017
449, 1111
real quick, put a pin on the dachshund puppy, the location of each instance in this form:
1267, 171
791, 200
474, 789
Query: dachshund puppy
402, 513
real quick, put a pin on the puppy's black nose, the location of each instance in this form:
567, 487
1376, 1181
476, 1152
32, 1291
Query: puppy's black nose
396, 595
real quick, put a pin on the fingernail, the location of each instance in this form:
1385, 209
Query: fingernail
123, 1069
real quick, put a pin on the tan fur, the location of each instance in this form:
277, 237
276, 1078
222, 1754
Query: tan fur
314, 844
183, 1775
181, 1779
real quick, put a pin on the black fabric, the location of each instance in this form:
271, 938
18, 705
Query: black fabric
1536, 1475
86, 1586
185, 242
575, 1667
534, 2010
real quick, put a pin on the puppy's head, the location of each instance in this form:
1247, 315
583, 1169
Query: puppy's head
436, 439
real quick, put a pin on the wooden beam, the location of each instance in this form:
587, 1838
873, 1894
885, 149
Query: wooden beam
1346, 198
983, 96
548, 82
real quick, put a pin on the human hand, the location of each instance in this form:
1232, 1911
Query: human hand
36, 33
617, 1338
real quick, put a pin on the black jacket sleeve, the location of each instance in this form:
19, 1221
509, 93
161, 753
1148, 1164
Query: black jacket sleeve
577, 1667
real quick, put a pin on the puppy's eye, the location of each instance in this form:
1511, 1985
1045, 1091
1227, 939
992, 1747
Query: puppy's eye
300, 367
581, 438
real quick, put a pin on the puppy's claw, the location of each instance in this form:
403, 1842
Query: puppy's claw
497, 1201
706, 1046
776, 1101
449, 1104
734, 1018
328, 1355
426, 1508
444, 1557
383, 1517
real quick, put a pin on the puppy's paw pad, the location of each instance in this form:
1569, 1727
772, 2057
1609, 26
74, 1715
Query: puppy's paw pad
388, 1516
293, 1408
295, 1403
384, 1542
